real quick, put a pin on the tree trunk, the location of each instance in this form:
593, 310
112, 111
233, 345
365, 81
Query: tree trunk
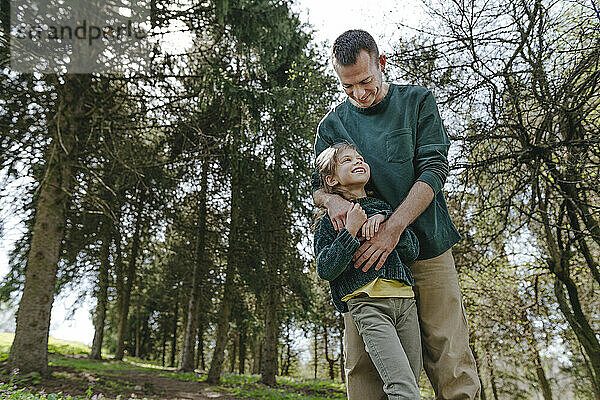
216, 364
316, 359
144, 336
242, 351
128, 286
282, 357
276, 241
269, 367
164, 348
174, 331
138, 338
191, 326
260, 355
331, 361
580, 326
287, 360
342, 369
256, 356
493, 380
234, 342
581, 238
588, 368
200, 361
29, 350
224, 316
541, 374
102, 292
478, 365
571, 306
119, 269
187, 356
532, 341
288, 354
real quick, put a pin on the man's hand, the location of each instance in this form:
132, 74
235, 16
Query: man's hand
384, 241
371, 227
378, 248
337, 208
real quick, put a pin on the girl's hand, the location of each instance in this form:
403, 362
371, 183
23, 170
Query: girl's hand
371, 227
355, 218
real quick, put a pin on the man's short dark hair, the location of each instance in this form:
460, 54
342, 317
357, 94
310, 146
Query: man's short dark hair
349, 44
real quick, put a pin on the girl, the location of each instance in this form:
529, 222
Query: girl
381, 302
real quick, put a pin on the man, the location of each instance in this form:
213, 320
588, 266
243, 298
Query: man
399, 132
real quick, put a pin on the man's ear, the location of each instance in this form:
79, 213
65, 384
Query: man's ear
331, 181
382, 62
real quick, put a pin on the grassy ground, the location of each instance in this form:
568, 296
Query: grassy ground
54, 346
74, 377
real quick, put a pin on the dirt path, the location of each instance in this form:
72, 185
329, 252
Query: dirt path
168, 388
128, 383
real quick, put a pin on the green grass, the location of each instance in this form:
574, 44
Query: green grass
68, 358
242, 386
235, 379
54, 345
184, 376
314, 384
288, 388
107, 367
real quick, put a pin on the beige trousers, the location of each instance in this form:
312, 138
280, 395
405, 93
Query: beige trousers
447, 358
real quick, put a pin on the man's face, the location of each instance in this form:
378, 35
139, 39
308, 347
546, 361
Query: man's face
363, 81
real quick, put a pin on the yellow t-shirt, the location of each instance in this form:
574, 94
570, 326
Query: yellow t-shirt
380, 287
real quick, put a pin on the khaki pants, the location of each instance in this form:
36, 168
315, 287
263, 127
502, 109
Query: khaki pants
447, 358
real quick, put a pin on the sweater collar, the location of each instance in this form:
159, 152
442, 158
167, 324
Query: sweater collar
374, 109
365, 200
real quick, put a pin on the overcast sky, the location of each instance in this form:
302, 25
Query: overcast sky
330, 18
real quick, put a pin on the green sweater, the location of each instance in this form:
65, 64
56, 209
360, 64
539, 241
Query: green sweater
403, 140
334, 252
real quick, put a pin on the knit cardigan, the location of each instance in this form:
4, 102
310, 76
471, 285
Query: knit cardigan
334, 252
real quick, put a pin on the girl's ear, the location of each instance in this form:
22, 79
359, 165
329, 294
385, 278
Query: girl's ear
331, 181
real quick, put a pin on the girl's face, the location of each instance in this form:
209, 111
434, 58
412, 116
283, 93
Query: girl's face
351, 170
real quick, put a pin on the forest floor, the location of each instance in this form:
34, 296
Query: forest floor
79, 377
75, 377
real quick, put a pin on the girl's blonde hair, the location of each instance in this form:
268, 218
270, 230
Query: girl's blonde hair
326, 164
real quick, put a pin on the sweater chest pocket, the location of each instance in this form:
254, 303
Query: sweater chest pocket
399, 145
